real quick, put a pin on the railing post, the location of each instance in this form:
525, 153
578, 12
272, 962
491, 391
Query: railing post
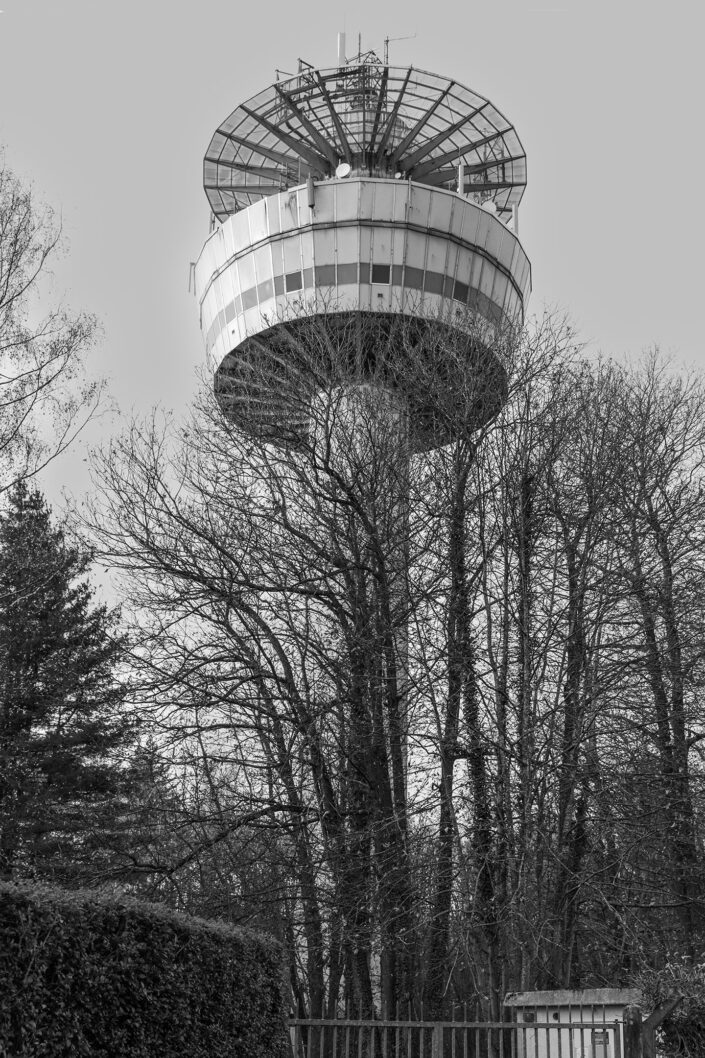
632, 1033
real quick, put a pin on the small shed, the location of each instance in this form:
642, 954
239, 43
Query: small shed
577, 1023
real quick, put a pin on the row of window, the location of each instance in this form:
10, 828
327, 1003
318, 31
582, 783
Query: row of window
358, 272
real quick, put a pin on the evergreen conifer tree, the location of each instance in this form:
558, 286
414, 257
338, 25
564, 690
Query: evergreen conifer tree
65, 775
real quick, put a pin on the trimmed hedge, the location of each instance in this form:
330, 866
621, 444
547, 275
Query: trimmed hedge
82, 973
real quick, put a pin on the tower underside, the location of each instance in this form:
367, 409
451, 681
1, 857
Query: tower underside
447, 380
408, 280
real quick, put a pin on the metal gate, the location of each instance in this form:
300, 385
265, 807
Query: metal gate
344, 1038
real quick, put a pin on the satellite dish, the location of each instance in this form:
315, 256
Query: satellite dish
342, 171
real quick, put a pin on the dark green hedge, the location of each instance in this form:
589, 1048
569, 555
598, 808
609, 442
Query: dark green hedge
82, 973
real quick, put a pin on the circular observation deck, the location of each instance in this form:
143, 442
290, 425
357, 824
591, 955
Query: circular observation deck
384, 273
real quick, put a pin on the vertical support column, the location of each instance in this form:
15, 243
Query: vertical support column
371, 424
400, 597
632, 1033
360, 430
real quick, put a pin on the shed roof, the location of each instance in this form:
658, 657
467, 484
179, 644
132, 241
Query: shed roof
566, 997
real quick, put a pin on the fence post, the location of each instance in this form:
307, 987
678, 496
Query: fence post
437, 1040
648, 1029
632, 1032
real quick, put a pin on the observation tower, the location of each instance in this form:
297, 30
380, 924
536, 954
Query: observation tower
357, 192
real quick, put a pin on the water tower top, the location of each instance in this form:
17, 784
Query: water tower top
367, 119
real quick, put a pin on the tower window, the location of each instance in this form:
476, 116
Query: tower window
380, 273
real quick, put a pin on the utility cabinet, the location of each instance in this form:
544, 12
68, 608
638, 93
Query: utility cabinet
580, 1023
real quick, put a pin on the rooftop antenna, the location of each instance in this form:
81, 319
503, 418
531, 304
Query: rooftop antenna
388, 40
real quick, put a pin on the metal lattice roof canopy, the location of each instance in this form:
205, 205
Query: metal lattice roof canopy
383, 121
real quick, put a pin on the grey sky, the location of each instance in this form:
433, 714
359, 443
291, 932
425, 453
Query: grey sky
109, 107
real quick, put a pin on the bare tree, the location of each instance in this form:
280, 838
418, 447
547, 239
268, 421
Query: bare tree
44, 398
660, 509
398, 665
290, 584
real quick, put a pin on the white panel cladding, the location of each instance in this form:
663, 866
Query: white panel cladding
346, 245
240, 230
272, 210
385, 194
416, 242
458, 217
440, 210
437, 254
464, 267
325, 202
292, 254
381, 246
493, 239
277, 251
263, 262
346, 199
366, 251
402, 197
257, 217
288, 211
452, 251
398, 246
280, 256
246, 271
307, 249
367, 199
420, 206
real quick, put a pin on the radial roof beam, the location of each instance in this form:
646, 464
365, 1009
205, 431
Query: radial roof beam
442, 176
490, 163
378, 112
345, 146
255, 189
256, 170
266, 152
389, 126
418, 172
411, 136
430, 145
321, 142
489, 185
316, 161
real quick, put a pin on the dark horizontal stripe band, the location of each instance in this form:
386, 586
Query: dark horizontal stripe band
403, 277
